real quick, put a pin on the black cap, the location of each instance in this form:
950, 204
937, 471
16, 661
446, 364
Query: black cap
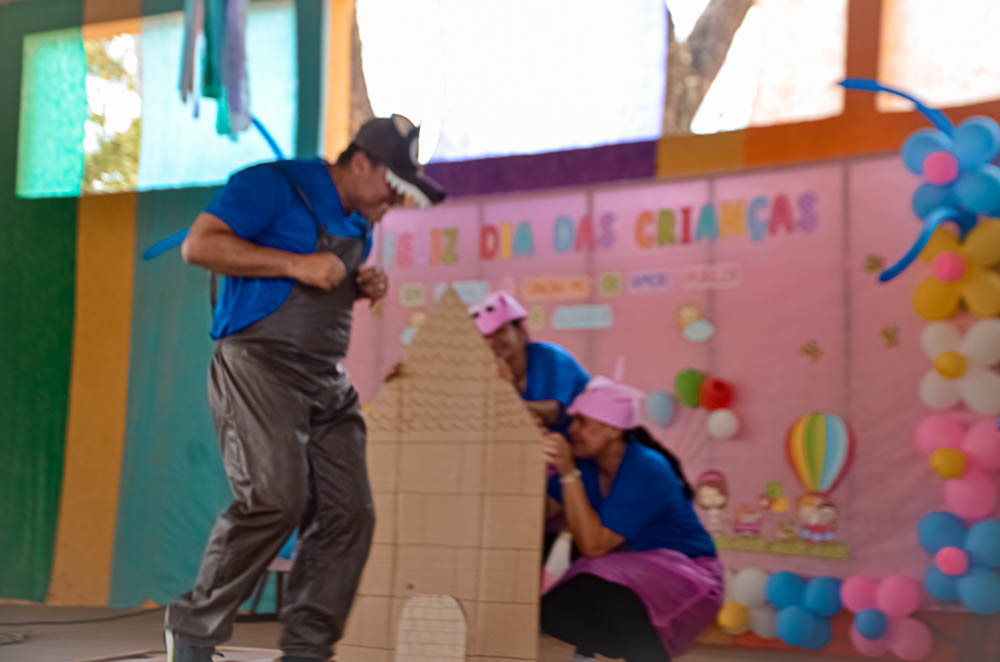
393, 141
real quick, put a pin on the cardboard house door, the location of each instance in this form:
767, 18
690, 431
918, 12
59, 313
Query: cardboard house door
431, 627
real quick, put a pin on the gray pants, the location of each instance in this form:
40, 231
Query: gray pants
294, 452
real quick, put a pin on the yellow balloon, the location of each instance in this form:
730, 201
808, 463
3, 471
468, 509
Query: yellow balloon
734, 618
948, 462
950, 365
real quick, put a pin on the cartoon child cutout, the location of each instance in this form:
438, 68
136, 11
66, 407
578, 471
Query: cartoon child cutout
817, 518
747, 520
712, 495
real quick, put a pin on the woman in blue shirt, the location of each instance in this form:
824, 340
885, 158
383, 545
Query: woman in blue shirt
648, 580
545, 374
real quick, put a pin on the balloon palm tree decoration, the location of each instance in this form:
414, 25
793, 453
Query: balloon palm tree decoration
961, 185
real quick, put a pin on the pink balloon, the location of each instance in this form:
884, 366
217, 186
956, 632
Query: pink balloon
869, 647
949, 267
971, 496
858, 593
952, 561
982, 444
940, 168
898, 595
909, 639
938, 431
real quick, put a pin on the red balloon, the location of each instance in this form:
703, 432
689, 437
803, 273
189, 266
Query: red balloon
716, 394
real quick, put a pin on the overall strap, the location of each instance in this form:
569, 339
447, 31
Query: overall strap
304, 199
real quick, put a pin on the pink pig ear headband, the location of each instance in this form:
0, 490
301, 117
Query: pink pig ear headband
610, 402
496, 310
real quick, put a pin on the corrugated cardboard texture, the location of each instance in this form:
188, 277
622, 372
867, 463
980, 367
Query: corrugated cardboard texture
458, 478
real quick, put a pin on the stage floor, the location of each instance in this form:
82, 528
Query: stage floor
140, 639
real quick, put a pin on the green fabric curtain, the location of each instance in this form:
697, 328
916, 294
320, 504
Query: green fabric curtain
37, 264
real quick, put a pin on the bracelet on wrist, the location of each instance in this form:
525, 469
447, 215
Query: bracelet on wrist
572, 476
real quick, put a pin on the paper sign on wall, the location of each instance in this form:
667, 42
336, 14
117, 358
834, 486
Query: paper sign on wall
610, 284
582, 317
469, 291
412, 295
724, 276
555, 287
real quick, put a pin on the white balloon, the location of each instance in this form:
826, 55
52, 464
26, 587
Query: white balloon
982, 343
723, 424
727, 578
763, 622
750, 588
981, 391
939, 393
940, 337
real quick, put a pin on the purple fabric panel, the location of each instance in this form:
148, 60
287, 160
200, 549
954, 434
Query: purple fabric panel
528, 172
681, 594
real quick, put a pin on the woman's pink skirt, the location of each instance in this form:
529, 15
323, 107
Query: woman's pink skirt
681, 594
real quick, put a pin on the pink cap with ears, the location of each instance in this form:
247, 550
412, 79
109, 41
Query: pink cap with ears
496, 310
610, 402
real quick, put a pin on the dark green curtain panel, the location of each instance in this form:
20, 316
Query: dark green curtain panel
37, 264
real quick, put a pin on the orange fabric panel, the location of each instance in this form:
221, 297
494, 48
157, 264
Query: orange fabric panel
95, 431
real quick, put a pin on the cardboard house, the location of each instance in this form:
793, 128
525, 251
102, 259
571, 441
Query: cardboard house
458, 478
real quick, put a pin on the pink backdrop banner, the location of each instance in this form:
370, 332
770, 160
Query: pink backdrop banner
781, 267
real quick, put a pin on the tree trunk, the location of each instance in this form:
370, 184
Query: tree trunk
361, 107
692, 65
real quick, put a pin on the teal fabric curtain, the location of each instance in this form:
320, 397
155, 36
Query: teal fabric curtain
53, 111
172, 482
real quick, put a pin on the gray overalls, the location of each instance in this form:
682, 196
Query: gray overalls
293, 446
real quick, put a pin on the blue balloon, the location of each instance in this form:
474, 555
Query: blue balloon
822, 633
822, 596
929, 197
980, 591
938, 530
796, 626
979, 190
941, 586
871, 623
920, 145
660, 407
977, 141
785, 589
983, 543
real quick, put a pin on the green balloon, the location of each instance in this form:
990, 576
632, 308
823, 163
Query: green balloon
688, 387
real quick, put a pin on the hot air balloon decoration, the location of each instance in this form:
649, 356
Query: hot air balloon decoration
819, 448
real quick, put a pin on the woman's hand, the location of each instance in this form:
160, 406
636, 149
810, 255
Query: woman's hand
548, 411
558, 453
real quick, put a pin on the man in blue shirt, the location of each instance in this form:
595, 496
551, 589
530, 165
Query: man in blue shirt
290, 238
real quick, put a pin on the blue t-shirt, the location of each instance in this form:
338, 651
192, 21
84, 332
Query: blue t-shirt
646, 504
553, 374
261, 206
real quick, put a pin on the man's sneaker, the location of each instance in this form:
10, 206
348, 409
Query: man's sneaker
181, 650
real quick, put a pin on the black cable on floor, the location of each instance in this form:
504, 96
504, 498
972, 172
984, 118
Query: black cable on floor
83, 621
